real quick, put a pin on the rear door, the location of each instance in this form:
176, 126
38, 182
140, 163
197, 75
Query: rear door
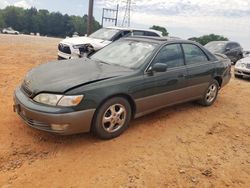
199, 70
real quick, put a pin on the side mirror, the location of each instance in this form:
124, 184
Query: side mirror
159, 67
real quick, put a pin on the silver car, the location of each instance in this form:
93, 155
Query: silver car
242, 68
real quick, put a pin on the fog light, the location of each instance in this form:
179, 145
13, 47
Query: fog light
59, 127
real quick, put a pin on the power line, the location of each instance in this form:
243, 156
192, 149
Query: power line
126, 18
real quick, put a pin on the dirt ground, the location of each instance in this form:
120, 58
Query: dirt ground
181, 146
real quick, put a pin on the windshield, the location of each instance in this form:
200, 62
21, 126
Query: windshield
130, 54
104, 34
215, 46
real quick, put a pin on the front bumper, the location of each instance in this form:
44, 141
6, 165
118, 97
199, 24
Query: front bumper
242, 72
64, 56
51, 119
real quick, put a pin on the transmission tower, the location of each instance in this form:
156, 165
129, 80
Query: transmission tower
126, 18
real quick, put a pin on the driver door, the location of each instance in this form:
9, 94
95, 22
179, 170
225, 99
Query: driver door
165, 88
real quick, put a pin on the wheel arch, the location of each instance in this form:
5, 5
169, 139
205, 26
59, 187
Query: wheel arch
219, 80
123, 95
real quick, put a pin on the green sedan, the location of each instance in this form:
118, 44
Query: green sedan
125, 80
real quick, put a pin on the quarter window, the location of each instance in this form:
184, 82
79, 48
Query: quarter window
171, 55
193, 54
148, 33
138, 33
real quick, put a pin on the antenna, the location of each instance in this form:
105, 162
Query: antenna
126, 18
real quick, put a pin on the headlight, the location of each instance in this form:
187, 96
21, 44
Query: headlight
58, 100
240, 64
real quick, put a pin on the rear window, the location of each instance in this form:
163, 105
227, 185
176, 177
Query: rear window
193, 54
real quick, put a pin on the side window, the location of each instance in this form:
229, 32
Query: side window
121, 34
152, 34
193, 54
235, 45
171, 55
138, 33
229, 46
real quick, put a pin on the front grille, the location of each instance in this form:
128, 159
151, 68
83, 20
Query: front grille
246, 73
26, 90
64, 48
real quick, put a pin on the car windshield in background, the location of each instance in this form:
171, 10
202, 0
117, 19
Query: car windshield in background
130, 54
215, 46
104, 34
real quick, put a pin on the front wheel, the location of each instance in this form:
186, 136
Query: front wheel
238, 76
210, 94
112, 118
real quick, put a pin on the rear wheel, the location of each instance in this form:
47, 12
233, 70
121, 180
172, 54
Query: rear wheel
112, 118
210, 94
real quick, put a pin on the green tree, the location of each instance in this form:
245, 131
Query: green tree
44, 22
79, 24
159, 28
2, 22
208, 38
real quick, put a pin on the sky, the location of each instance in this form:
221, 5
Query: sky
182, 18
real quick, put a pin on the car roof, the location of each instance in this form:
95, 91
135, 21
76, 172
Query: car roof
223, 41
158, 40
130, 28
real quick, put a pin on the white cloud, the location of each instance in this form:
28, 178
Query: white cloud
193, 17
3, 3
18, 3
23, 4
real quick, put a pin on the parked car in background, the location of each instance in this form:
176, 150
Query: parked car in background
9, 30
75, 34
242, 68
72, 48
246, 53
127, 79
232, 50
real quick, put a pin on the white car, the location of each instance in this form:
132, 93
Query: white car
242, 68
76, 47
246, 53
9, 30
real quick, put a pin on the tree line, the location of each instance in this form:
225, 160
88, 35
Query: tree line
44, 22
58, 25
202, 39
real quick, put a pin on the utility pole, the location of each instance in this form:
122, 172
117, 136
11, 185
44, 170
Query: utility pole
110, 18
90, 17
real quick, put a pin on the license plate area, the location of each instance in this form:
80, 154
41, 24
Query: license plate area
17, 108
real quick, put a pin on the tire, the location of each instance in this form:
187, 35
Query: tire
240, 57
112, 118
208, 99
238, 76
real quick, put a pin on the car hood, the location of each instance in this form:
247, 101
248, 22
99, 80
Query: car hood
245, 60
61, 76
97, 43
